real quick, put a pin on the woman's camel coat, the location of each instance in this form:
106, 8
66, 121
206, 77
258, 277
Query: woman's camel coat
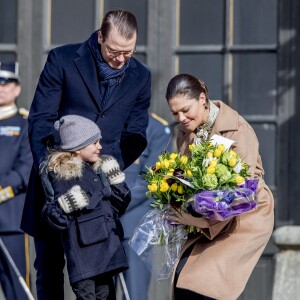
225, 253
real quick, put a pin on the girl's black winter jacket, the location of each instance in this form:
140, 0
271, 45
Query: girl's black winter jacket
91, 236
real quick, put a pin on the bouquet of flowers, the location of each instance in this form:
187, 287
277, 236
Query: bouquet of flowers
212, 183
220, 176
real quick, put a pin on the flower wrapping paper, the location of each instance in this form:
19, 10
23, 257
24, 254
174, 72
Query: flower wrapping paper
158, 243
224, 204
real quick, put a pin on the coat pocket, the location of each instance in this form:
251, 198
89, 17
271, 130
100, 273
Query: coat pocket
92, 228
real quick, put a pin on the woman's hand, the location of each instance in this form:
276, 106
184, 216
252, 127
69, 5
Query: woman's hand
187, 219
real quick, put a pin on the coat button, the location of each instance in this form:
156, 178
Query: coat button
95, 179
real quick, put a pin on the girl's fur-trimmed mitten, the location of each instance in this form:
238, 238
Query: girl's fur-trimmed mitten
111, 168
74, 199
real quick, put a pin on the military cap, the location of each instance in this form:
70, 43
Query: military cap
9, 72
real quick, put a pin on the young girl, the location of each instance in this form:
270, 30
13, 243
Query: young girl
85, 196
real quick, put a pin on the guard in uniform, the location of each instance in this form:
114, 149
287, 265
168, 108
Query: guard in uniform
15, 166
137, 277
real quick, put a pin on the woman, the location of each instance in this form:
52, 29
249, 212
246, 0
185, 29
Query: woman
217, 263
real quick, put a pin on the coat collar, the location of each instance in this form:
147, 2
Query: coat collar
227, 119
87, 68
73, 168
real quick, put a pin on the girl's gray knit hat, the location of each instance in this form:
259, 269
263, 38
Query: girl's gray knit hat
76, 132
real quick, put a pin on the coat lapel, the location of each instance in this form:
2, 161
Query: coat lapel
87, 69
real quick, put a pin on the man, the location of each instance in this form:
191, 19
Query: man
100, 80
138, 277
15, 166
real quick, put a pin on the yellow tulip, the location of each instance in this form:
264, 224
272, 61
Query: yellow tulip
217, 152
213, 163
152, 187
174, 187
172, 162
210, 170
165, 164
184, 159
209, 154
189, 173
173, 156
158, 165
191, 147
163, 186
239, 179
232, 162
180, 190
221, 147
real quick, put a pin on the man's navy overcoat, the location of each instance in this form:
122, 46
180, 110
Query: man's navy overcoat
69, 84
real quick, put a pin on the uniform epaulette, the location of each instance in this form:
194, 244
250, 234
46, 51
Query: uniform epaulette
24, 112
161, 120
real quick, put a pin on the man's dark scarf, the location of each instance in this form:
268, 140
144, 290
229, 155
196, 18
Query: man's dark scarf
109, 77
